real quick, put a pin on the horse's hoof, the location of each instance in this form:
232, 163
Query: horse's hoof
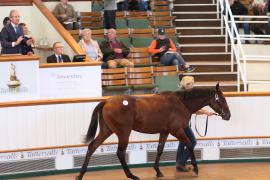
196, 170
160, 175
135, 178
78, 178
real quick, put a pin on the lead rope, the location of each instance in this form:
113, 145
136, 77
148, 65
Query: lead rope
206, 126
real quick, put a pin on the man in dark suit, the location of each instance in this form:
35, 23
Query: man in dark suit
58, 56
12, 37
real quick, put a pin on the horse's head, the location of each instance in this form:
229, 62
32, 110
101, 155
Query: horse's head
219, 104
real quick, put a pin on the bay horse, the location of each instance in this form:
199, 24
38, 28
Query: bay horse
164, 113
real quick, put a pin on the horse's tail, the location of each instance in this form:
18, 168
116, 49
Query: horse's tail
94, 123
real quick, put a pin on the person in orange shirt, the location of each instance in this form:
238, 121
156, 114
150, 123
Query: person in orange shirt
165, 49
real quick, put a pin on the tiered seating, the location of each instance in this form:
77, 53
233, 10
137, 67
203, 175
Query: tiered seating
138, 20
137, 30
140, 56
121, 22
123, 35
114, 79
160, 5
139, 78
92, 20
130, 37
141, 37
166, 78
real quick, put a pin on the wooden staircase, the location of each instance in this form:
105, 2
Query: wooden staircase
203, 45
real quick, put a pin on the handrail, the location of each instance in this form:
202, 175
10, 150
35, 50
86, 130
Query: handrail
97, 99
12, 57
237, 49
261, 19
59, 28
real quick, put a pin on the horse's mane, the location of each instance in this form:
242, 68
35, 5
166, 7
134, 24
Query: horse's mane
195, 93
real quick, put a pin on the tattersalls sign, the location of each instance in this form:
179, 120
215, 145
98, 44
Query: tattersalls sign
19, 80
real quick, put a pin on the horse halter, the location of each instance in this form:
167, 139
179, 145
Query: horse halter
206, 124
217, 100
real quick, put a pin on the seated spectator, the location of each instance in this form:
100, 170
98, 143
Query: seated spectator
27, 48
66, 15
114, 51
90, 46
258, 9
238, 8
6, 21
12, 38
165, 49
267, 8
122, 5
133, 5
58, 56
143, 5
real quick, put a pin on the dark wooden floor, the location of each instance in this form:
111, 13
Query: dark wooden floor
226, 171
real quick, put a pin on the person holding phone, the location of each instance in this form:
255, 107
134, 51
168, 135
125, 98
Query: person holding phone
27, 47
165, 49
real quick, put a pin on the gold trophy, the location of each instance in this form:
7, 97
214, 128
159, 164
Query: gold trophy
13, 80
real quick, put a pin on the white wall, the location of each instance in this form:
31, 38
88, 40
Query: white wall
256, 49
66, 124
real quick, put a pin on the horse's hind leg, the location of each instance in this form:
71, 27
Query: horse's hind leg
161, 143
181, 136
121, 152
102, 136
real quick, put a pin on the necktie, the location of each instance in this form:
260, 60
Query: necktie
60, 59
16, 29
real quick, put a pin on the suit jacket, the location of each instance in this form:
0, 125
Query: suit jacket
69, 11
108, 51
8, 35
53, 58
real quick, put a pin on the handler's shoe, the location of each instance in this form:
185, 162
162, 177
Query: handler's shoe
182, 168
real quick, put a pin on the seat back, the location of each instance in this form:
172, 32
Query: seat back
140, 76
141, 37
114, 77
92, 20
140, 56
166, 78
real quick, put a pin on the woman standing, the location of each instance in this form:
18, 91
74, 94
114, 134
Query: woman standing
183, 153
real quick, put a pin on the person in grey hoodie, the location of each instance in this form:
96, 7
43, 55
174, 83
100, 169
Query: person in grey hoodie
110, 8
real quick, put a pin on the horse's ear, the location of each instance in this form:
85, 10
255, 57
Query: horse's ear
217, 87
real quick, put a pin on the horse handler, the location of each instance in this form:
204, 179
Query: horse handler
183, 154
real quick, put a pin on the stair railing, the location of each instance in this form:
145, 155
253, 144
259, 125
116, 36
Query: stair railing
232, 35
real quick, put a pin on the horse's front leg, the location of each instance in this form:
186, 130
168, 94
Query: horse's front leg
181, 136
161, 144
